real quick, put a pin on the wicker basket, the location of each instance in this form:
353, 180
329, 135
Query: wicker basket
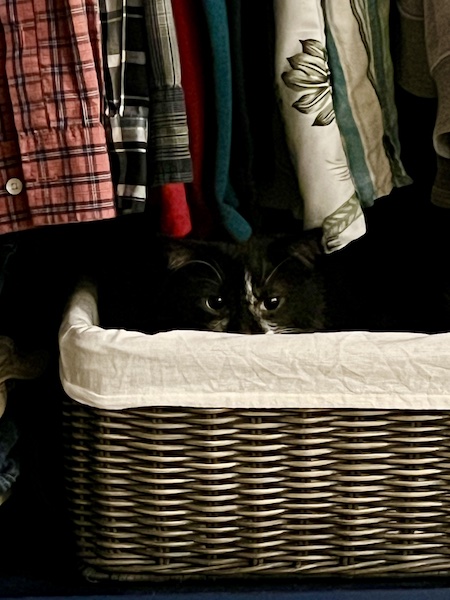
193, 491
167, 492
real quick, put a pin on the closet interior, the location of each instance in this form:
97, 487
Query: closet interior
231, 165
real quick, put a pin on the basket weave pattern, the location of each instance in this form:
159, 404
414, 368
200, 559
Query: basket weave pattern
192, 492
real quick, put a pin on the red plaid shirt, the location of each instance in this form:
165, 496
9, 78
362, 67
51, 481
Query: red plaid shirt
54, 163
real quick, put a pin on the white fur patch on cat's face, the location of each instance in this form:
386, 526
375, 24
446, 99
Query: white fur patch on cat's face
254, 304
249, 295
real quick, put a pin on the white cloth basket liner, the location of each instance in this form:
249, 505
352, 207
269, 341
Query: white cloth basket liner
119, 369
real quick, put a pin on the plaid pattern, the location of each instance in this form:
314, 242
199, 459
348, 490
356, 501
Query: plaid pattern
51, 135
171, 160
127, 97
148, 133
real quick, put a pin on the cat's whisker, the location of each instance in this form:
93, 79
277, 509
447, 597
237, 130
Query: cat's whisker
219, 325
274, 271
202, 262
277, 329
205, 280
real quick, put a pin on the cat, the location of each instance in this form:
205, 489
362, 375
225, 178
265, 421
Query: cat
263, 286
266, 285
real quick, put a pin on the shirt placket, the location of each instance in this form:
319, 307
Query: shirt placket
22, 103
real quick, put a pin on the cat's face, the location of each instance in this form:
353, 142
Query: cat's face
262, 286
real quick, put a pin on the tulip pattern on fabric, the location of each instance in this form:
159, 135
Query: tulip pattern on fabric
310, 75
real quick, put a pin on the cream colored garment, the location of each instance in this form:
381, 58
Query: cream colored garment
118, 369
359, 55
304, 90
3, 398
14, 365
4, 497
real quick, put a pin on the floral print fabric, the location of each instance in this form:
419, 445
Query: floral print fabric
304, 89
310, 77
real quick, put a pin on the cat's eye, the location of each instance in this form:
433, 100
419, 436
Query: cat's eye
214, 303
271, 303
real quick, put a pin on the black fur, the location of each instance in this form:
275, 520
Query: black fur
266, 285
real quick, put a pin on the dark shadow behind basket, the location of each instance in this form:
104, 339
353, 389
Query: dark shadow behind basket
167, 492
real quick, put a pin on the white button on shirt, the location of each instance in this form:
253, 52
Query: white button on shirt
14, 186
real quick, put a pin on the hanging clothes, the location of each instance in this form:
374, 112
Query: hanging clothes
304, 88
146, 114
423, 69
227, 201
359, 57
127, 100
169, 159
191, 34
174, 213
14, 364
54, 163
9, 459
242, 159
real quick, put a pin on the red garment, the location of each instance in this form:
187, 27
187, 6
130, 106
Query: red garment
54, 163
175, 218
190, 35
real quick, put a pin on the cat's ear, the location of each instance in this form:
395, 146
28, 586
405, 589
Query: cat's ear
178, 252
307, 248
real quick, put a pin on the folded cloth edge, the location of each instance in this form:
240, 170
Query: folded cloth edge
118, 369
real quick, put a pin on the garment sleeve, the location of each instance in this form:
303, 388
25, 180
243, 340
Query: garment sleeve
127, 100
227, 201
303, 84
359, 57
423, 69
54, 163
169, 154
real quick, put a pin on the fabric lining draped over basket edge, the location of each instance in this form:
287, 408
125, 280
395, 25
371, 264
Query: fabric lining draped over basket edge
118, 369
